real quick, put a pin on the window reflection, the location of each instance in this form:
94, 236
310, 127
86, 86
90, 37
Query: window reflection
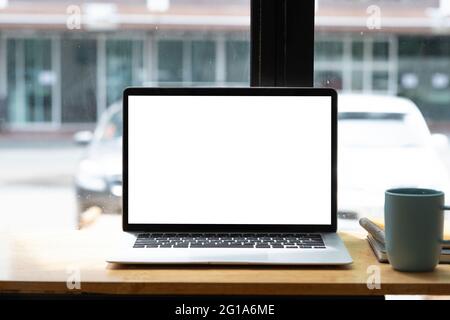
374, 65
62, 75
31, 80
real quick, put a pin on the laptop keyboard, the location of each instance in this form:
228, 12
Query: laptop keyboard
230, 240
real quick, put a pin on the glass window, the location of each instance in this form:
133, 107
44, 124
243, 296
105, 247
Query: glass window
203, 61
381, 50
170, 61
79, 80
15, 106
411, 45
357, 51
380, 80
329, 50
61, 86
381, 70
123, 67
238, 69
424, 73
31, 81
415, 45
357, 80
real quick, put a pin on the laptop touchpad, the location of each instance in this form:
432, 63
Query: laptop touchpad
218, 256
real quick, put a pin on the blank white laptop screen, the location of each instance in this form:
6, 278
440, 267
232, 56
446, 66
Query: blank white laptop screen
263, 160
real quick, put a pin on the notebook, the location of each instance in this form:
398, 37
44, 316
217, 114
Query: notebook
379, 250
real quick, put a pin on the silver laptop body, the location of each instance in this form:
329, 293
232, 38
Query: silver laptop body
229, 176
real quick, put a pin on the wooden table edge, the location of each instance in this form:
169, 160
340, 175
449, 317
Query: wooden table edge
251, 289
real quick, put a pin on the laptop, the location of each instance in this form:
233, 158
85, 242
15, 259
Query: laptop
230, 176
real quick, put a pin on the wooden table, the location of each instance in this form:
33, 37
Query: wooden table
44, 262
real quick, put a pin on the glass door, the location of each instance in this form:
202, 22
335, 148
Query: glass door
30, 81
124, 67
79, 80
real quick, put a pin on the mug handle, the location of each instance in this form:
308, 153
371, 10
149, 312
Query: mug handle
446, 242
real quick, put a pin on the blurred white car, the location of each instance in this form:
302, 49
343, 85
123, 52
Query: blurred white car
384, 143
98, 180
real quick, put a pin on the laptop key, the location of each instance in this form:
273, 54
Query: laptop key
194, 245
147, 242
241, 246
233, 240
218, 246
277, 246
183, 245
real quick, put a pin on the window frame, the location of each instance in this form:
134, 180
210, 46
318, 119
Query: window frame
280, 56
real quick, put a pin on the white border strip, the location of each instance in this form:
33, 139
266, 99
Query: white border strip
386, 22
130, 19
238, 21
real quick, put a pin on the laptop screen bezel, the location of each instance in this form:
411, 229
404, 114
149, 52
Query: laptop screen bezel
307, 92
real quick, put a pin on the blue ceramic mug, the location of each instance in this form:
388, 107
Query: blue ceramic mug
414, 223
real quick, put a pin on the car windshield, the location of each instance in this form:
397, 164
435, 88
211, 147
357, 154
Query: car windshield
112, 132
376, 129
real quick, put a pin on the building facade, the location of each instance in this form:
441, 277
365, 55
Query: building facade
63, 62
57, 79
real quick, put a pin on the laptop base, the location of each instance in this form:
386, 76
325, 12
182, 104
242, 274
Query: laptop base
335, 253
